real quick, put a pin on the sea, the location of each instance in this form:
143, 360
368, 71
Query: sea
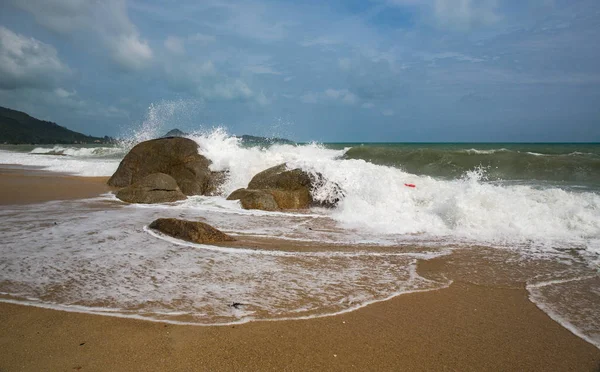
510, 215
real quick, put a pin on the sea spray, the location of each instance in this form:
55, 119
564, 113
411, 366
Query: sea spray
376, 198
160, 118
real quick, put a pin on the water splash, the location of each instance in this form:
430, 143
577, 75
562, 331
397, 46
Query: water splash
160, 118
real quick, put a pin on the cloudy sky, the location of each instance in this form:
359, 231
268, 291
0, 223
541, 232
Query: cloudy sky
357, 70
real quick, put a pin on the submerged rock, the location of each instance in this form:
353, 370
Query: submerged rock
154, 188
175, 156
191, 231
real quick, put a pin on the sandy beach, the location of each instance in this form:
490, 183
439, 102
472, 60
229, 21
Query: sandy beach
467, 326
35, 186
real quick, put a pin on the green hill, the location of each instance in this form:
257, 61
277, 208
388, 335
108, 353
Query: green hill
17, 127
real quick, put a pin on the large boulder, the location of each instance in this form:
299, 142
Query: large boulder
255, 199
280, 178
175, 156
290, 189
191, 231
154, 188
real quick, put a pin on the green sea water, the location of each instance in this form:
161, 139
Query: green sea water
569, 164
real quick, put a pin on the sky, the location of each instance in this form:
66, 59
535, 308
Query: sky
335, 71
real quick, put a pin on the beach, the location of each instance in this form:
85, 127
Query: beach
475, 323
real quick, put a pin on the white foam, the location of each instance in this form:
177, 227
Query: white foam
279, 253
226, 153
79, 151
81, 166
82, 255
571, 304
486, 152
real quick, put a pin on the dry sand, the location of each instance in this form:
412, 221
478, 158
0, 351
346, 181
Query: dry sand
465, 327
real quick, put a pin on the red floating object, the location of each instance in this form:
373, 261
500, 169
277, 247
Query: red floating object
410, 185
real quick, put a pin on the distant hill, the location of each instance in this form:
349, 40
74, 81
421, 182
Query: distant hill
17, 127
246, 138
256, 140
175, 133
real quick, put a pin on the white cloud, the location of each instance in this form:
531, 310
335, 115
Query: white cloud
175, 45
108, 20
309, 97
388, 112
28, 62
457, 14
466, 13
233, 89
336, 95
262, 100
61, 16
130, 52
63, 93
343, 95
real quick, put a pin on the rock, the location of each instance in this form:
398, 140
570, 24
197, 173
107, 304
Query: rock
175, 156
215, 181
191, 231
175, 133
255, 199
278, 177
292, 199
154, 188
290, 189
237, 194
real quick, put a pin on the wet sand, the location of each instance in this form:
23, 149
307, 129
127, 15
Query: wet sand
464, 327
18, 186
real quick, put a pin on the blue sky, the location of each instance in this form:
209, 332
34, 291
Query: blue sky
370, 70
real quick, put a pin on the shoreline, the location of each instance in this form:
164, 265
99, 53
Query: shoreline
466, 326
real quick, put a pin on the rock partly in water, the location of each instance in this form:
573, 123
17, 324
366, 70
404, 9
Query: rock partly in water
175, 156
255, 199
154, 188
289, 189
191, 231
280, 178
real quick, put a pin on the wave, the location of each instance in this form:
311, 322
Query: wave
558, 163
467, 206
376, 198
80, 166
80, 151
475, 151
